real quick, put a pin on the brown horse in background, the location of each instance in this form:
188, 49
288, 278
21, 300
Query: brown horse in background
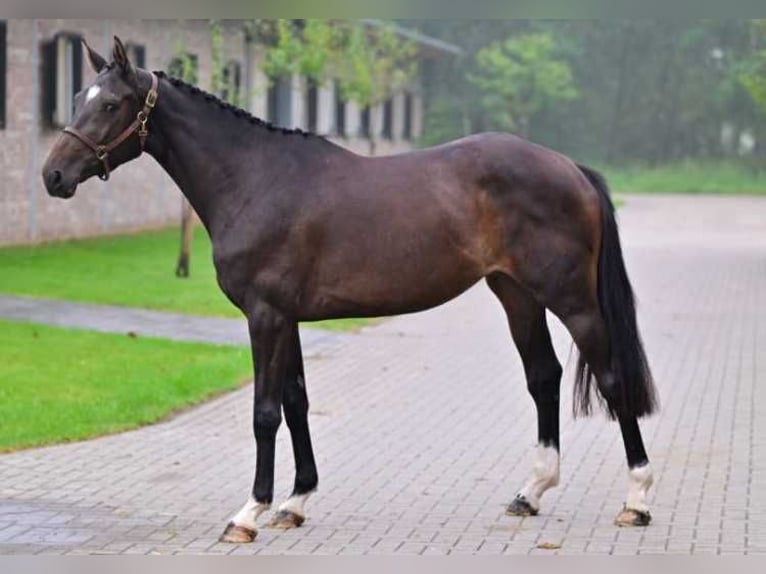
304, 230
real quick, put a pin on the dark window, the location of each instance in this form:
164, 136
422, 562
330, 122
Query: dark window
3, 71
136, 54
340, 113
279, 102
407, 130
231, 80
185, 67
62, 78
364, 122
388, 119
312, 106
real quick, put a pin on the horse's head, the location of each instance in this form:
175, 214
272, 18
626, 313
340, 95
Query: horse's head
108, 127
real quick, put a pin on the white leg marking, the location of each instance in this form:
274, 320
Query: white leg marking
295, 504
640, 479
92, 93
545, 475
249, 513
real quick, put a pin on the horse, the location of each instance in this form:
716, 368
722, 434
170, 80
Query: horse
303, 230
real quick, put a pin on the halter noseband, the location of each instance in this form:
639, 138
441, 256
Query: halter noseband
139, 125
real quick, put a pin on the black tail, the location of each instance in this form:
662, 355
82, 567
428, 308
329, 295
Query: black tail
615, 296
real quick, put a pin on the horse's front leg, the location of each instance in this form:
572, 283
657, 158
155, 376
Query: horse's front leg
271, 336
291, 512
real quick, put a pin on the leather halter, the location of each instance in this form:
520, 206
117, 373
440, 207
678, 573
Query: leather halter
138, 125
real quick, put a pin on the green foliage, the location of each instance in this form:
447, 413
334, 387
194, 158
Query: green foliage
305, 48
753, 78
752, 74
216, 56
183, 65
103, 383
283, 57
369, 62
752, 71
651, 91
222, 76
376, 62
439, 123
319, 43
521, 76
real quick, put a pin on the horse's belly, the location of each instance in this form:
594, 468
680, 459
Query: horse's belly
390, 290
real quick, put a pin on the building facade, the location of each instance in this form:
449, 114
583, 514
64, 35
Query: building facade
42, 67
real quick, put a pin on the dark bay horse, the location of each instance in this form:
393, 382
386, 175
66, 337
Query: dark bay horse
304, 230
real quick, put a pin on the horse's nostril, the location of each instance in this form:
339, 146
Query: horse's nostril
52, 178
54, 181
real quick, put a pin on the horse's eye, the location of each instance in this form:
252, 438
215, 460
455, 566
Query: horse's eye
110, 107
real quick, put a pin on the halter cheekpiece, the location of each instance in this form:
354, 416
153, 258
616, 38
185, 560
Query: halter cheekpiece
138, 125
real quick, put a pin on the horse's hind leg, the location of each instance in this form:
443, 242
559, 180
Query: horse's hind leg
588, 329
530, 334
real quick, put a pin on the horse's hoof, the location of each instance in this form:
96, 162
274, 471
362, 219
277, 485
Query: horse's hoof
519, 506
284, 520
234, 534
633, 517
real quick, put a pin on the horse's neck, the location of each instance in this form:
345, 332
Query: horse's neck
203, 148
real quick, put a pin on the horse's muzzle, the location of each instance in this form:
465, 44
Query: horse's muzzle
57, 185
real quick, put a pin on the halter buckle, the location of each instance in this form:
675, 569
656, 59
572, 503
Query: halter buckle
101, 153
151, 98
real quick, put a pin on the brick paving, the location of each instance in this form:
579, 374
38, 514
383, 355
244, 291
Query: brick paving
423, 430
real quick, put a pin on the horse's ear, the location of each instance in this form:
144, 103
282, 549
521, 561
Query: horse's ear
95, 60
120, 56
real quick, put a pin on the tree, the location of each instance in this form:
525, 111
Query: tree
519, 77
752, 70
650, 91
369, 61
304, 47
450, 102
375, 63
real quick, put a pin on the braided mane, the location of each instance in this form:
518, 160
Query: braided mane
237, 111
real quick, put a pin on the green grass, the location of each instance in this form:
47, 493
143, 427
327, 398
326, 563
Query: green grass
690, 177
129, 271
60, 385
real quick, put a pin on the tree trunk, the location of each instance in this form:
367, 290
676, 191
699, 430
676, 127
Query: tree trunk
187, 234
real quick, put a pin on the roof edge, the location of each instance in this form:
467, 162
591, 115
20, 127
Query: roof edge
418, 37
